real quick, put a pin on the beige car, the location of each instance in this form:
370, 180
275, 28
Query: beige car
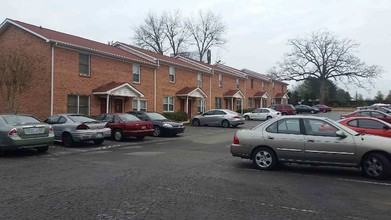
313, 140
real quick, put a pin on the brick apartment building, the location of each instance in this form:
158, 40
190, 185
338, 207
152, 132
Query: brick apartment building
78, 75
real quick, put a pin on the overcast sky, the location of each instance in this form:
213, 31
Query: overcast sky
258, 30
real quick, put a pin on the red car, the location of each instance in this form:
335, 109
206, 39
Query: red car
126, 125
323, 108
368, 126
369, 113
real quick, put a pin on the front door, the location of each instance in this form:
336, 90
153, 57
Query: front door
118, 105
103, 106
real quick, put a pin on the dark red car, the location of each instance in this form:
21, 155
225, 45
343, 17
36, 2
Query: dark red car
369, 113
323, 108
126, 125
367, 125
285, 109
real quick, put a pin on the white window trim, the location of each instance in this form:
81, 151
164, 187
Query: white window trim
168, 104
89, 65
134, 108
78, 103
139, 73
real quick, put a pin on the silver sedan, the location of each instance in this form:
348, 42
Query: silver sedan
261, 114
218, 117
313, 140
71, 128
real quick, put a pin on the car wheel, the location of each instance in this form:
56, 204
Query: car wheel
376, 166
140, 137
118, 135
98, 141
195, 122
42, 149
264, 159
269, 117
225, 124
247, 117
312, 112
67, 140
324, 111
158, 131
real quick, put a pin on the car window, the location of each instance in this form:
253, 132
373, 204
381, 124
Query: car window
257, 111
115, 119
155, 116
142, 117
288, 106
364, 113
265, 111
62, 120
209, 113
367, 123
219, 113
353, 123
319, 128
377, 114
285, 126
100, 117
276, 107
53, 119
20, 119
80, 118
126, 117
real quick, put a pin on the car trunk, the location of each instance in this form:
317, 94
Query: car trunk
32, 131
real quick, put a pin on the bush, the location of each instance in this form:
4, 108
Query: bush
176, 116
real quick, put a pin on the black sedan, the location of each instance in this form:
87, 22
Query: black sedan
306, 109
161, 124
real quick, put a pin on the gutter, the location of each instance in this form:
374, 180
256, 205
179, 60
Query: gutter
52, 83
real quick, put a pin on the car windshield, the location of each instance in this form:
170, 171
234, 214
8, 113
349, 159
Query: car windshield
155, 116
128, 117
20, 119
81, 118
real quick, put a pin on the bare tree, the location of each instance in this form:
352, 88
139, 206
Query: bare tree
324, 56
207, 31
16, 75
151, 34
175, 31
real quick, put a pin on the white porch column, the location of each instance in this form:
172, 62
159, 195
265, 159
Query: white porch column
241, 105
107, 103
232, 103
138, 103
187, 106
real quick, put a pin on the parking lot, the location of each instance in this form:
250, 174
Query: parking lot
190, 176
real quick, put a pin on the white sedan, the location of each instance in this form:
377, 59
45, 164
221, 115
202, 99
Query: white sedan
262, 114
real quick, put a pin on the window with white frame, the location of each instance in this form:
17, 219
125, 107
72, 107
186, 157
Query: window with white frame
142, 102
168, 103
78, 104
171, 74
84, 64
136, 73
250, 102
220, 79
238, 104
251, 83
237, 83
218, 102
199, 80
201, 105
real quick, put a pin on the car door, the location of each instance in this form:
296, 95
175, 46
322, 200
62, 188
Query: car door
286, 138
53, 121
324, 146
263, 114
370, 126
256, 114
207, 118
218, 117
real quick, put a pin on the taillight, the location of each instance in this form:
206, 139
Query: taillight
13, 132
82, 127
237, 117
342, 117
50, 129
236, 140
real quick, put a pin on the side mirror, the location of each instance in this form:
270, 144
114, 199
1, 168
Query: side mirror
341, 134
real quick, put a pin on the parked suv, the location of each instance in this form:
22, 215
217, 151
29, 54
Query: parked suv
285, 109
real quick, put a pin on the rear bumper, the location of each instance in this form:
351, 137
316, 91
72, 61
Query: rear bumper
14, 144
238, 150
87, 135
138, 133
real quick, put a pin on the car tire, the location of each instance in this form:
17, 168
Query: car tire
264, 159
324, 111
157, 132
225, 124
376, 166
247, 117
269, 117
42, 149
98, 141
312, 112
195, 122
117, 135
140, 137
67, 140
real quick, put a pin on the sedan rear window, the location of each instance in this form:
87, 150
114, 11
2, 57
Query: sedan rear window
127, 117
81, 118
20, 119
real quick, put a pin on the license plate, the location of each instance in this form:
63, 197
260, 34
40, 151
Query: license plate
99, 135
143, 127
34, 130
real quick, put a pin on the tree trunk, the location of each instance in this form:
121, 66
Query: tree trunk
322, 98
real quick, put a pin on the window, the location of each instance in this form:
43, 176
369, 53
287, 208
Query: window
220, 80
263, 86
286, 126
319, 128
201, 105
364, 113
218, 102
84, 64
377, 114
168, 103
171, 74
143, 105
219, 112
368, 123
237, 83
136, 73
250, 102
199, 80
251, 83
78, 104
238, 104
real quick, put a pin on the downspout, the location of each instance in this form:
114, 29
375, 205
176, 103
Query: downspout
52, 84
154, 85
210, 92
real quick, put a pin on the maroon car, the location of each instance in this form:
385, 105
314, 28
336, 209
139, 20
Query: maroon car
126, 125
369, 113
323, 108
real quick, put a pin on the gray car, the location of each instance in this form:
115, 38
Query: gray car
313, 140
71, 128
261, 114
218, 117
24, 131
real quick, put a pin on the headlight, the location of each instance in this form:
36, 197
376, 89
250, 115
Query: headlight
167, 125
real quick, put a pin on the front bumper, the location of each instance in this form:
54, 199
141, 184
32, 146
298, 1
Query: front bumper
173, 130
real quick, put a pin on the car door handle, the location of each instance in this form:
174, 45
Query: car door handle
310, 141
270, 137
